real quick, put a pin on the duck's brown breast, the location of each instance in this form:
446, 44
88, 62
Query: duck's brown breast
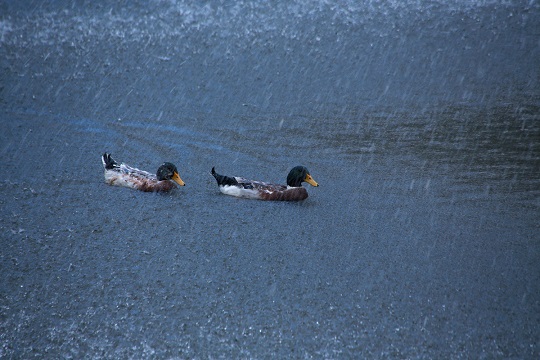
290, 194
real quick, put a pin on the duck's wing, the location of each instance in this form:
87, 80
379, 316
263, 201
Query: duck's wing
260, 185
111, 166
125, 175
134, 172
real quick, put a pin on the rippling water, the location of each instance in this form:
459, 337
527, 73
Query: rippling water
420, 121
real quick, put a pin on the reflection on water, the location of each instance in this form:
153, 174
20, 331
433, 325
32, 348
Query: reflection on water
496, 149
479, 151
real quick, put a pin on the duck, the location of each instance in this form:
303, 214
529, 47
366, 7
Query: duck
251, 189
127, 176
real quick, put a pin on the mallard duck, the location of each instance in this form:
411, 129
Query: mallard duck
293, 191
125, 175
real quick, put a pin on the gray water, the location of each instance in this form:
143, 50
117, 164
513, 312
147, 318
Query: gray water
419, 120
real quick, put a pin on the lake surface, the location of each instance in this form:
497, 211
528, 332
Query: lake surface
419, 120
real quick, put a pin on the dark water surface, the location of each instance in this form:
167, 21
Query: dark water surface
419, 120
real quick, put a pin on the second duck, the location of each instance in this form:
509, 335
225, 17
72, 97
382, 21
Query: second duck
251, 189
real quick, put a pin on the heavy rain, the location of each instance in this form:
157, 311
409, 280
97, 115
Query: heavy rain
420, 120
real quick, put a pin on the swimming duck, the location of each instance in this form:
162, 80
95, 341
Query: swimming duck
125, 175
293, 191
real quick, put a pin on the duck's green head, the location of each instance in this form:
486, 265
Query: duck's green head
299, 174
168, 171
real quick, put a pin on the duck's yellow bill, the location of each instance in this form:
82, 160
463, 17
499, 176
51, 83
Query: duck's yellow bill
176, 179
310, 180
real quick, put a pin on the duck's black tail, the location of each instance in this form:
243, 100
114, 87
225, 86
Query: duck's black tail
108, 161
223, 180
